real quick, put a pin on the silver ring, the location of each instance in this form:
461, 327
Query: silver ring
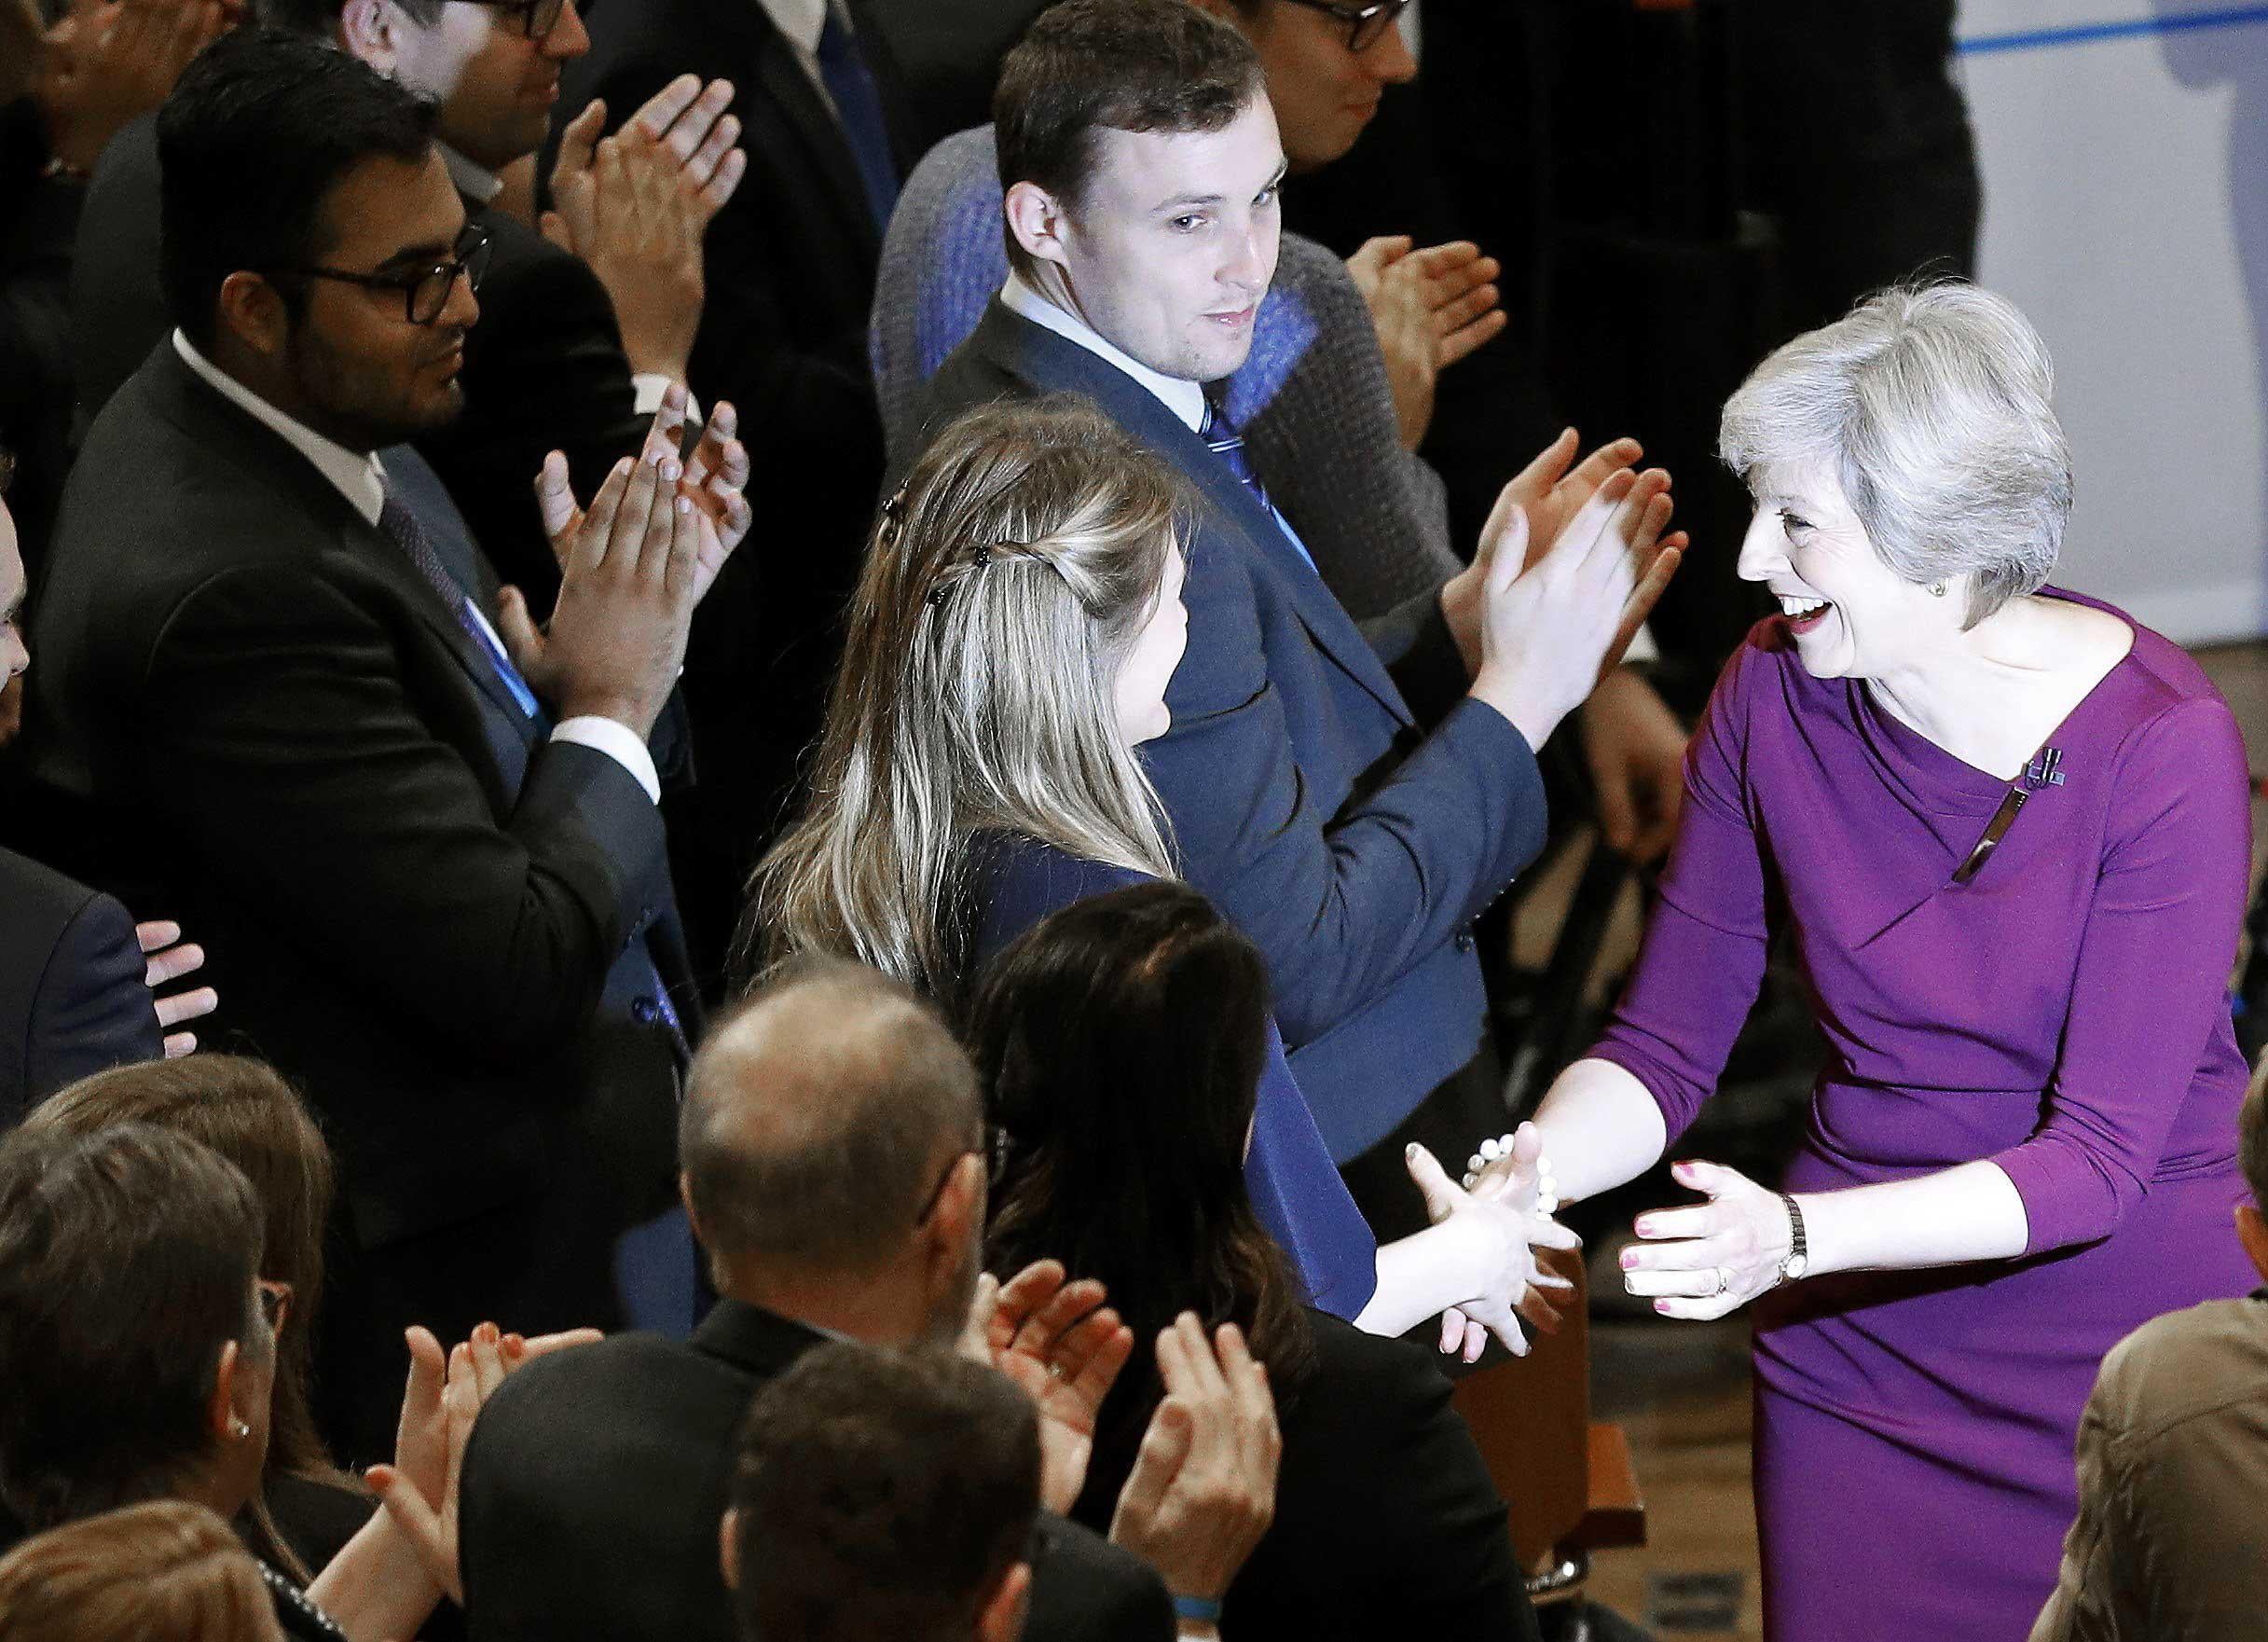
1724, 1281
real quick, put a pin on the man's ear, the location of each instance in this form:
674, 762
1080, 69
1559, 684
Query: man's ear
728, 1547
220, 1408
2252, 1232
366, 30
253, 311
1038, 221
1001, 1617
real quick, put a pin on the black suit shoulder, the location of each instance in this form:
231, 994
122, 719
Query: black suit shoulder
72, 998
544, 370
1387, 1524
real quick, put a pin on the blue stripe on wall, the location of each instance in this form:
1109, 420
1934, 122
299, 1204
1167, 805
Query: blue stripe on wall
2087, 33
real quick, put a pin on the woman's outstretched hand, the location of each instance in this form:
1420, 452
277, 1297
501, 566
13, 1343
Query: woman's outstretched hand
1713, 1258
1503, 1230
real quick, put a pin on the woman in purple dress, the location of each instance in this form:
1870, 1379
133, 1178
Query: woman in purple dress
2007, 829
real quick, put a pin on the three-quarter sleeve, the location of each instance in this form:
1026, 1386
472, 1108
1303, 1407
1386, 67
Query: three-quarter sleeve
1702, 958
2151, 982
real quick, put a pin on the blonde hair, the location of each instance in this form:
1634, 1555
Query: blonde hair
1003, 587
162, 1568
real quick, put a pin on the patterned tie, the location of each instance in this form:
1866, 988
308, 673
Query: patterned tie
402, 524
858, 107
1222, 438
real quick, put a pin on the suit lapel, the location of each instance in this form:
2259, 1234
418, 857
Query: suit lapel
756, 1341
814, 123
1050, 363
202, 414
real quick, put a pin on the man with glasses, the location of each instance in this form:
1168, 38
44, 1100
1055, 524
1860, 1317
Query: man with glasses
421, 838
832, 1148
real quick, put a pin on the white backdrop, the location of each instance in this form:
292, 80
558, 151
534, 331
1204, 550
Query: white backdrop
2124, 147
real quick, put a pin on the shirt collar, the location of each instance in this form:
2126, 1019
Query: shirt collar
801, 20
1184, 398
360, 478
474, 181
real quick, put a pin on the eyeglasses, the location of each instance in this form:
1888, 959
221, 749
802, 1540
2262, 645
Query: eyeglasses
425, 291
1365, 24
537, 18
275, 1304
937, 1193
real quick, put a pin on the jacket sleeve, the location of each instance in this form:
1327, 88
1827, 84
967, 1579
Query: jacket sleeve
380, 848
92, 1010
1342, 905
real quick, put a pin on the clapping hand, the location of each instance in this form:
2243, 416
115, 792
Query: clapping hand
110, 62
1204, 1487
636, 205
714, 479
1703, 1262
170, 957
1063, 1347
1431, 309
439, 1405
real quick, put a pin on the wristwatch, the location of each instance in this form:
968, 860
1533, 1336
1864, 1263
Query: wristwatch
1798, 1261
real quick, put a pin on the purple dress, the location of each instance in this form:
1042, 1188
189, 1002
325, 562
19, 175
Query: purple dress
2065, 1013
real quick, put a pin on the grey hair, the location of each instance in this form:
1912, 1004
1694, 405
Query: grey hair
1931, 402
815, 1116
2252, 1138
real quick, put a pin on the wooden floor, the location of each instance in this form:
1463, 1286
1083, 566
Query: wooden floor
1680, 1390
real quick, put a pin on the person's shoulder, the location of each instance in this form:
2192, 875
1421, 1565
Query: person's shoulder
623, 1381
2183, 1365
39, 897
1086, 1588
1366, 1385
1017, 880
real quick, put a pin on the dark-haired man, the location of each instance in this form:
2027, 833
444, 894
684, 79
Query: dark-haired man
422, 837
832, 1147
883, 1493
575, 348
1352, 797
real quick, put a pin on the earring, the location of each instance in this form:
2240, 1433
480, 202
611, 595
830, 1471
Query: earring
1937, 589
239, 1429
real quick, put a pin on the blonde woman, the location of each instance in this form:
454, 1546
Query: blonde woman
1010, 645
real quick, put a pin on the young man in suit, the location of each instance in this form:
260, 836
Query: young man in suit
790, 277
1351, 798
832, 1147
421, 839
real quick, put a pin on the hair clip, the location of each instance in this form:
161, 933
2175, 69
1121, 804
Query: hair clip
893, 516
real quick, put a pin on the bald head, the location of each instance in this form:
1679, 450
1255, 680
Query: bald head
816, 1119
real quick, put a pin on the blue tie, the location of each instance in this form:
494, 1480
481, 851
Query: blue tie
858, 107
1221, 438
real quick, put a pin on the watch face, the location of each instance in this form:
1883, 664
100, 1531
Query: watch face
1795, 1267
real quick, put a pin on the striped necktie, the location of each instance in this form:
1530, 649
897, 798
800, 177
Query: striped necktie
402, 524
1222, 438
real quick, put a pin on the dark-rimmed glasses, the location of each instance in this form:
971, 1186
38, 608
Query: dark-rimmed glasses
1365, 24
537, 18
980, 1148
425, 290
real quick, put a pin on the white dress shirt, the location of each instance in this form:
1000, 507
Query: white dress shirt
362, 480
801, 23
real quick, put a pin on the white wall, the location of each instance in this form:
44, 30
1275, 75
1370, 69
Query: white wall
2127, 211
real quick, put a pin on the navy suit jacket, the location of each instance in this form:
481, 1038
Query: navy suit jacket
72, 998
1330, 785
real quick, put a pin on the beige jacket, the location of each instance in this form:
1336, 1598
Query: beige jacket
2171, 1543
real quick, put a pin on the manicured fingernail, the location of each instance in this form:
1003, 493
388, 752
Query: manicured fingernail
1661, 1306
1409, 1151
1630, 1260
1643, 1228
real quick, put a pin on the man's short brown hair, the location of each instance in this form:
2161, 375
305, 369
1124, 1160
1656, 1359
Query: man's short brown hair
2252, 1138
1129, 65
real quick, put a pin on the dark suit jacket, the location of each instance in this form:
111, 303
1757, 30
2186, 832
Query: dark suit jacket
543, 369
1386, 1527
71, 998
790, 278
1308, 800
445, 925
596, 1479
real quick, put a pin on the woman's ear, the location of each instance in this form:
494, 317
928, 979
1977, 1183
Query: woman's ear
221, 1418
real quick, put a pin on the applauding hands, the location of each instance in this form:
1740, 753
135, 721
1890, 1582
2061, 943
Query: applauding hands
1431, 308
636, 205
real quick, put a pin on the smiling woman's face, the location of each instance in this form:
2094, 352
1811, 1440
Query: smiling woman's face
1851, 615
